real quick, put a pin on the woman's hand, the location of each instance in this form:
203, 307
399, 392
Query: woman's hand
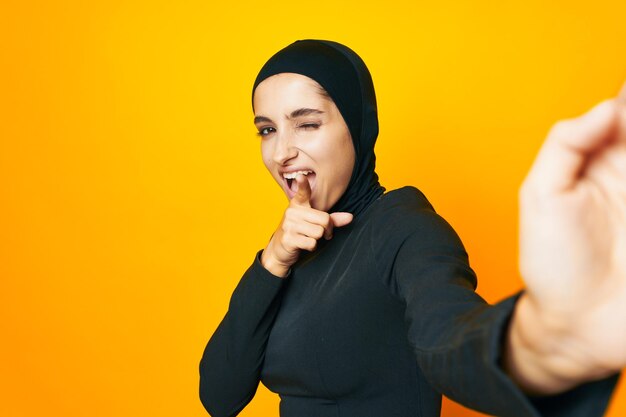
300, 229
570, 325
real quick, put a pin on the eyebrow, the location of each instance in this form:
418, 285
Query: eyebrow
262, 119
294, 114
304, 112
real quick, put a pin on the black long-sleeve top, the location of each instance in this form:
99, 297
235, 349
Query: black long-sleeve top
379, 321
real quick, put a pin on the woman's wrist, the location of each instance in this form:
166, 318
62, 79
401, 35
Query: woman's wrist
270, 263
544, 354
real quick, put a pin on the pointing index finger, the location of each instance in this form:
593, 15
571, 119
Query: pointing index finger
303, 195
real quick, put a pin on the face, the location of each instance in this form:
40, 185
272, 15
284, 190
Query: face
303, 131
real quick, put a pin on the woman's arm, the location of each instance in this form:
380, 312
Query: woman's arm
230, 368
458, 338
569, 326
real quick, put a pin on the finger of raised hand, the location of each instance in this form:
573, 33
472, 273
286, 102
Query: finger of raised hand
568, 147
298, 214
307, 214
308, 229
337, 219
305, 242
303, 195
341, 219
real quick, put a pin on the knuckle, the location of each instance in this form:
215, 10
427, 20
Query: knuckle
325, 219
561, 128
293, 253
286, 241
287, 227
290, 212
307, 243
319, 232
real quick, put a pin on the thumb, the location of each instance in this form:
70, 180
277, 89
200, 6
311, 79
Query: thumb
341, 219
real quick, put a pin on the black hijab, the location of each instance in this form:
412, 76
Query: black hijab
347, 80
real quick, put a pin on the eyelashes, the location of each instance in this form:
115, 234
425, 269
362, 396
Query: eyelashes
266, 131
309, 126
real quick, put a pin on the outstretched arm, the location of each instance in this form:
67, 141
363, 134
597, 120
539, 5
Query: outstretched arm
570, 324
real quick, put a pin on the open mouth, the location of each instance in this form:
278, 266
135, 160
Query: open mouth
291, 183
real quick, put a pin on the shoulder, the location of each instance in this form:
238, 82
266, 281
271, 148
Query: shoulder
407, 234
406, 212
405, 198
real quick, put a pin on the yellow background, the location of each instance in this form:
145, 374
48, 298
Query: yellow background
132, 193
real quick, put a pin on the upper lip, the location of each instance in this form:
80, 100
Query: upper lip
293, 169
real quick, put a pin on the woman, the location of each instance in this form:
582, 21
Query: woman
363, 302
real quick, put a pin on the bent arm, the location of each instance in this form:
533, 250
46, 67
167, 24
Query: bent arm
231, 365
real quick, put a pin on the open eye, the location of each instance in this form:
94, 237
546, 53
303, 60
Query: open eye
264, 131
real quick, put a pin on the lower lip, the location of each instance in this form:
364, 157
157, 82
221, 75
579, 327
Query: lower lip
310, 178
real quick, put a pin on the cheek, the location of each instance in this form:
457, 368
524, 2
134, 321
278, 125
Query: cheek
266, 155
270, 164
267, 160
346, 172
337, 158
347, 163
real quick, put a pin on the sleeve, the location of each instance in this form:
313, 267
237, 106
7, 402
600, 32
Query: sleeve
458, 338
231, 365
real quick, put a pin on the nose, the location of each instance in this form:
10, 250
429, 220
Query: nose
284, 149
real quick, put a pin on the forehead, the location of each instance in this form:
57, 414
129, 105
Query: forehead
285, 91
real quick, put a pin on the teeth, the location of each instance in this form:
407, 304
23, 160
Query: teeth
292, 175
